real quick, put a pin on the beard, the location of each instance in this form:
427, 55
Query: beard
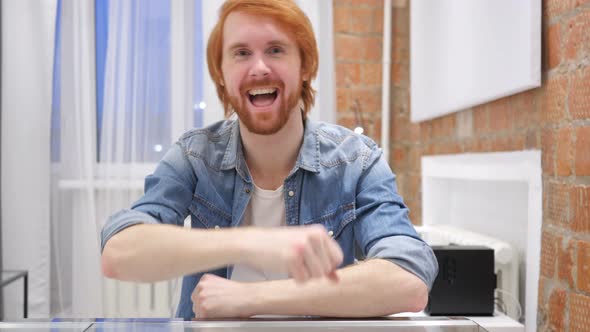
265, 123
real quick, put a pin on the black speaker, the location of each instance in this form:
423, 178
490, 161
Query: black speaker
465, 282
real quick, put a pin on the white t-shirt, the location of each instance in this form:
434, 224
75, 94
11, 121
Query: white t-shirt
265, 209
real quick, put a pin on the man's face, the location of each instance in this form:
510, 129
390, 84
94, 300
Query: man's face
261, 69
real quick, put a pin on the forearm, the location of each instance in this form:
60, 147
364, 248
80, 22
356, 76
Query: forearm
373, 288
148, 253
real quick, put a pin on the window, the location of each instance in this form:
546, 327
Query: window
133, 47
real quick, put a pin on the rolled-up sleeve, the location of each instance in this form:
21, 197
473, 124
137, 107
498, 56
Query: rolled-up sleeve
121, 220
382, 227
412, 255
167, 195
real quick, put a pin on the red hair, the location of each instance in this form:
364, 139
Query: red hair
291, 18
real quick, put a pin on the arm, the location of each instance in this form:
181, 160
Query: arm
153, 252
373, 288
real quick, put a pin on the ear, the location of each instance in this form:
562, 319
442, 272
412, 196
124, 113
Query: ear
304, 76
221, 83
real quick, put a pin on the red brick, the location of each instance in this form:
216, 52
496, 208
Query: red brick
543, 295
480, 119
355, 48
549, 243
415, 159
348, 74
524, 111
500, 118
557, 303
371, 73
399, 74
584, 266
533, 139
366, 3
343, 100
444, 127
553, 46
399, 128
579, 99
447, 148
579, 313
341, 18
400, 20
377, 20
368, 98
557, 203
414, 132
548, 144
564, 157
361, 20
565, 261
554, 8
400, 49
476, 145
373, 48
512, 142
553, 100
398, 158
425, 131
577, 38
582, 159
375, 128
347, 121
580, 208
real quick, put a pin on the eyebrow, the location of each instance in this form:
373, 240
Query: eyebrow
270, 43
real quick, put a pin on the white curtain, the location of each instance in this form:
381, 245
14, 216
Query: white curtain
76, 276
102, 163
27, 47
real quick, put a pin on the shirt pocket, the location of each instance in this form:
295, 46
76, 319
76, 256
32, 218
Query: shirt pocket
335, 221
207, 214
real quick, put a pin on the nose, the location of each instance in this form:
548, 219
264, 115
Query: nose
259, 69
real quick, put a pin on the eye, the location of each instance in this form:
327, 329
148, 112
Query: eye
275, 50
242, 53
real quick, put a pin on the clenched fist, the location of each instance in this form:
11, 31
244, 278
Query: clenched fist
303, 252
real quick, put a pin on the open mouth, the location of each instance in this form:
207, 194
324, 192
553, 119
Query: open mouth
263, 97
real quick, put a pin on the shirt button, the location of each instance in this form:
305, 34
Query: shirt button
291, 193
216, 227
331, 233
247, 190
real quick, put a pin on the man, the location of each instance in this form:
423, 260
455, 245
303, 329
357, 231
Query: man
277, 202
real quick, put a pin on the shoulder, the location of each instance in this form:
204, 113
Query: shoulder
209, 143
213, 132
338, 144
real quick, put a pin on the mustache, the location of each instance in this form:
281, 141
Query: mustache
261, 83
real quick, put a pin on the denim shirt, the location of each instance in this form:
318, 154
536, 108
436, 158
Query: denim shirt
340, 181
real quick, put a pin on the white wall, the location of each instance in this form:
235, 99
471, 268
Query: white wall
27, 61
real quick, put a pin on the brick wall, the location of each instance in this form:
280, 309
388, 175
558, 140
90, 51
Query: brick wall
554, 118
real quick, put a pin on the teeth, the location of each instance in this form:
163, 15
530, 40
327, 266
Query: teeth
255, 92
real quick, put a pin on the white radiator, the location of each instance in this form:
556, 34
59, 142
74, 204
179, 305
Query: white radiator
505, 258
129, 300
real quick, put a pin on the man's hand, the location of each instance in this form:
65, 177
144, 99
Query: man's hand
303, 252
216, 297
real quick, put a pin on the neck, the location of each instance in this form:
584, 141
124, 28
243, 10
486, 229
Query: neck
270, 158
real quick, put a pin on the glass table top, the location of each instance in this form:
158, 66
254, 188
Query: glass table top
411, 324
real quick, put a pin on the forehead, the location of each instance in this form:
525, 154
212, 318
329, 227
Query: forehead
244, 28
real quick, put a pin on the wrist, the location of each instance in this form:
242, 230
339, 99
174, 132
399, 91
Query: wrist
244, 245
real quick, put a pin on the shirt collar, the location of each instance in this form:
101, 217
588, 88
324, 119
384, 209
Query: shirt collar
308, 159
